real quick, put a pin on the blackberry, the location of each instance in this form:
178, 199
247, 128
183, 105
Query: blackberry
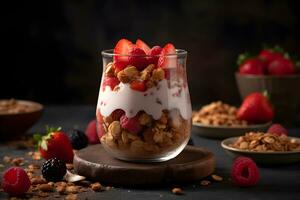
78, 139
54, 169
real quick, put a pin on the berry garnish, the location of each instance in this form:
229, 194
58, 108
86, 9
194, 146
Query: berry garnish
244, 172
154, 55
54, 169
15, 181
112, 82
253, 66
281, 66
167, 58
56, 144
256, 108
138, 58
122, 48
91, 132
142, 45
138, 85
277, 129
78, 139
131, 124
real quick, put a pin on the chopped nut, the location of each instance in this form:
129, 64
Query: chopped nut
45, 187
131, 72
37, 180
158, 74
71, 197
72, 189
123, 77
110, 71
177, 191
18, 161
7, 159
61, 189
216, 177
96, 186
145, 119
205, 182
146, 73
115, 129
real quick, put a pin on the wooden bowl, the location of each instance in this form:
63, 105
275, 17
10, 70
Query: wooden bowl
282, 90
14, 124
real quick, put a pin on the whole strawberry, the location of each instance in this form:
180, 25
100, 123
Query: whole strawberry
281, 66
254, 66
256, 108
268, 55
56, 144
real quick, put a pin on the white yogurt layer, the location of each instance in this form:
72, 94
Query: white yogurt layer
153, 101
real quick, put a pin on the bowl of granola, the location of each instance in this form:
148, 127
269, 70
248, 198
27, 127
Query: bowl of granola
219, 120
17, 116
264, 148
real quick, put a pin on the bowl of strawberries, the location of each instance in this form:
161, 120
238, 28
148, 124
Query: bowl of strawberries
274, 72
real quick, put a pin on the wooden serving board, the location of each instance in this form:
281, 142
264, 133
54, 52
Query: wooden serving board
191, 164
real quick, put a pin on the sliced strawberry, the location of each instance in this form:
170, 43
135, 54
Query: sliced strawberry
138, 85
154, 55
122, 48
112, 82
166, 59
138, 58
142, 45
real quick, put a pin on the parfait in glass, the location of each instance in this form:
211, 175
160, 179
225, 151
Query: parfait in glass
144, 109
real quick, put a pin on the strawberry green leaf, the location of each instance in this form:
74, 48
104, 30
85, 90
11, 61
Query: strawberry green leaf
243, 57
43, 145
37, 137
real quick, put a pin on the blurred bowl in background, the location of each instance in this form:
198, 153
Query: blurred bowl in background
17, 116
283, 92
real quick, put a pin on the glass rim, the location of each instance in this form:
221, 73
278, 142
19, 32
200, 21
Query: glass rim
110, 53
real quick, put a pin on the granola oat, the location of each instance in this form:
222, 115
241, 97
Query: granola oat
259, 141
218, 114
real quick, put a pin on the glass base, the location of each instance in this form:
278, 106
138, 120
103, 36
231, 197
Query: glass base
147, 159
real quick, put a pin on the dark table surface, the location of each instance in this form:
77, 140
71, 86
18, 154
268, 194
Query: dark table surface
276, 182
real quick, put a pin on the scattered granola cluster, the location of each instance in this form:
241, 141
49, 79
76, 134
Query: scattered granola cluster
40, 188
142, 136
266, 142
12, 106
218, 114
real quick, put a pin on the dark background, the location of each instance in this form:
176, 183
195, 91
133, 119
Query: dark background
51, 49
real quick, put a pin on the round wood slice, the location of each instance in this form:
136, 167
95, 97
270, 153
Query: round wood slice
191, 164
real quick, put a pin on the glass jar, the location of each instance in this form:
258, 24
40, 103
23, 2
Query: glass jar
144, 112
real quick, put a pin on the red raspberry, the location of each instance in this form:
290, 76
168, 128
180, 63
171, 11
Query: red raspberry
244, 172
112, 82
131, 124
15, 181
91, 132
277, 129
138, 58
